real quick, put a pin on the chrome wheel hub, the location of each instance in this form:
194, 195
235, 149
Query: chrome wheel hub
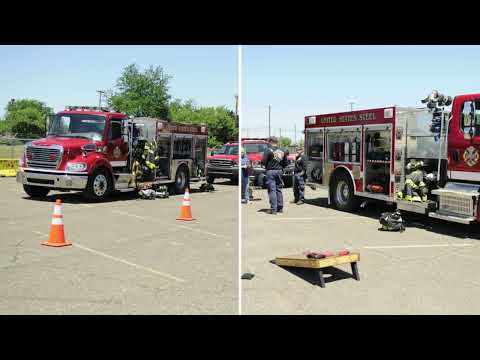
100, 185
181, 180
342, 192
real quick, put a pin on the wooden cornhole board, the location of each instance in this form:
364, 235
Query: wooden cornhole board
318, 264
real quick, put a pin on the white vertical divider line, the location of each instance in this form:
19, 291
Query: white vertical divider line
239, 83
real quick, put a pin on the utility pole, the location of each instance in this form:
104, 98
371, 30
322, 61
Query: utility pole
295, 134
269, 134
280, 137
100, 93
351, 105
236, 110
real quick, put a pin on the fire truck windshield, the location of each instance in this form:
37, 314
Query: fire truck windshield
77, 126
228, 150
255, 148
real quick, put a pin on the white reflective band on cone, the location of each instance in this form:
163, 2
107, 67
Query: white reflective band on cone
186, 203
57, 210
57, 221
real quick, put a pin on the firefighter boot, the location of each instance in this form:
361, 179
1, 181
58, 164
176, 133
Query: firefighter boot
416, 198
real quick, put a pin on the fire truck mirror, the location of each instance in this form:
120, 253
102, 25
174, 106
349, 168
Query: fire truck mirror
472, 117
125, 127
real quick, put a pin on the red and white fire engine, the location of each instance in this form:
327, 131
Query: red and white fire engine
363, 154
98, 151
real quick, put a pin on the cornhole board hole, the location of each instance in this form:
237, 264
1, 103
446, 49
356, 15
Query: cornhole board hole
318, 264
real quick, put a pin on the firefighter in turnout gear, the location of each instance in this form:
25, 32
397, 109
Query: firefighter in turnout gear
145, 162
415, 187
299, 175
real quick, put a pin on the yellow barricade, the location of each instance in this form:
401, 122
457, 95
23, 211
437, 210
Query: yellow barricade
8, 167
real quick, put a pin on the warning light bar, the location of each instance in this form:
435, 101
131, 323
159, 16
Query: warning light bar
88, 108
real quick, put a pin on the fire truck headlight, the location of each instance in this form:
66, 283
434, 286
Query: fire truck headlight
76, 167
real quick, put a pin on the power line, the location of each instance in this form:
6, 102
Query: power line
269, 132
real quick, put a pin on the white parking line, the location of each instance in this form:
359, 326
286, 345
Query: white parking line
127, 214
415, 246
175, 225
202, 231
39, 233
128, 263
120, 260
318, 218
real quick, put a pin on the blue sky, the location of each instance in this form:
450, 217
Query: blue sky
70, 75
303, 80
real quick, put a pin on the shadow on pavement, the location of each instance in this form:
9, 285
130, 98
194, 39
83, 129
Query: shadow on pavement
330, 274
264, 210
374, 209
77, 198
225, 182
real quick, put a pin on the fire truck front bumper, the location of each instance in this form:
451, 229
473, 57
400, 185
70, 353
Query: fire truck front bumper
52, 179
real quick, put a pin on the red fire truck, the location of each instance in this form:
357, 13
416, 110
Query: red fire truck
364, 154
98, 151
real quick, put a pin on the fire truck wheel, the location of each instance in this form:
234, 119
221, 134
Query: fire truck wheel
182, 180
343, 194
36, 191
99, 186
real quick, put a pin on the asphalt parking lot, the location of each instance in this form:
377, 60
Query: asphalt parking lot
129, 256
431, 268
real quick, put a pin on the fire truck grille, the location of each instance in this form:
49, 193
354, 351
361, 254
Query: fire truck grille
221, 162
457, 205
43, 157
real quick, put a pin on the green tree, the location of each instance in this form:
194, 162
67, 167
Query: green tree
142, 93
4, 128
284, 141
219, 120
26, 117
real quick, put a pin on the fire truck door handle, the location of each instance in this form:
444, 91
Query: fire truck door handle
455, 155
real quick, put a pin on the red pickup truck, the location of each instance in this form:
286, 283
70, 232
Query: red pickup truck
223, 164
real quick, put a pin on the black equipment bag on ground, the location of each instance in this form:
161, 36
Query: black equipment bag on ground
392, 221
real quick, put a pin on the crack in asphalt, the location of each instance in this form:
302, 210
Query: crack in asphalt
14, 259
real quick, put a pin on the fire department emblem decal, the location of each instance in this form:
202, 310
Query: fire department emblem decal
471, 156
117, 152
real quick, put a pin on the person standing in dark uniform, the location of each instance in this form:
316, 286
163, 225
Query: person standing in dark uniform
299, 178
274, 160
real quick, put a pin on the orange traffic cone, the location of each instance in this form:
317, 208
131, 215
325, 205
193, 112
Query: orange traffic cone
186, 209
57, 235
